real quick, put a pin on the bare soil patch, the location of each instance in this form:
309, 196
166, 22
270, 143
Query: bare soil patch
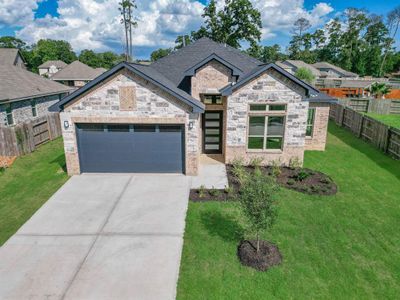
267, 257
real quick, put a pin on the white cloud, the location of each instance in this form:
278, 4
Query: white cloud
16, 12
95, 24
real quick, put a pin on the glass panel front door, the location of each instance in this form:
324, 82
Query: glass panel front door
212, 132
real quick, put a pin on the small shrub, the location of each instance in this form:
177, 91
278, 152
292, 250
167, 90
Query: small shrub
214, 192
202, 191
276, 168
237, 162
256, 162
240, 173
295, 163
228, 190
302, 175
315, 188
325, 180
291, 182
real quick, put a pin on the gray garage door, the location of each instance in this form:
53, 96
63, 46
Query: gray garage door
121, 148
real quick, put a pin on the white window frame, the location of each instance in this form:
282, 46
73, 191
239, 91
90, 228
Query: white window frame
9, 114
34, 108
313, 123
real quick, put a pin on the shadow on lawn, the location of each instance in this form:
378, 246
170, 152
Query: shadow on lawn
60, 160
378, 157
222, 225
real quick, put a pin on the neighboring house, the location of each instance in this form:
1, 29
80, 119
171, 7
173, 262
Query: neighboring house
332, 71
204, 98
50, 67
25, 95
293, 65
12, 57
77, 74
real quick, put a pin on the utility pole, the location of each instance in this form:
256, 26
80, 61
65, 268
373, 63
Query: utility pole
126, 8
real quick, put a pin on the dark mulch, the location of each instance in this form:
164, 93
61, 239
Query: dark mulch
267, 257
299, 179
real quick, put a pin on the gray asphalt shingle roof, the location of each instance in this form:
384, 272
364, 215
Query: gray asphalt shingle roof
326, 65
49, 63
17, 83
8, 56
174, 65
77, 71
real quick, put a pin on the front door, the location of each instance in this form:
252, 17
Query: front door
212, 132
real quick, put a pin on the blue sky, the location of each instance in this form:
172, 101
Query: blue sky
95, 24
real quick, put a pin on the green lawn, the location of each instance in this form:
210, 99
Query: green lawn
391, 120
29, 183
345, 246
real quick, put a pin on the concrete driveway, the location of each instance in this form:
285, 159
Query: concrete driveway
100, 237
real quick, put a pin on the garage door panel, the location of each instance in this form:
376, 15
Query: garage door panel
142, 149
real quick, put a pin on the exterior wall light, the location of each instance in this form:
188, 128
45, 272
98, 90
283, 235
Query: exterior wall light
191, 124
66, 124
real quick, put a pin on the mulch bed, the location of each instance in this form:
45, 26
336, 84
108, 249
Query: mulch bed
267, 257
6, 161
299, 179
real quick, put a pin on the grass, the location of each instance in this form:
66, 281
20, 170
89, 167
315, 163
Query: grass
29, 183
391, 120
344, 246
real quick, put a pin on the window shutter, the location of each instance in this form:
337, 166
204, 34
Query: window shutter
127, 98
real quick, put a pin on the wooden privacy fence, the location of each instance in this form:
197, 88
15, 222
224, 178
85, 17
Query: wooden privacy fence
378, 106
26, 137
382, 136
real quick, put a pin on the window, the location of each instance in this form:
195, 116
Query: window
266, 132
268, 107
144, 128
9, 115
118, 128
310, 122
34, 109
212, 99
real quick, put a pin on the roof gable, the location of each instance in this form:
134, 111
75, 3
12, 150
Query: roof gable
311, 93
147, 73
213, 57
76, 71
175, 65
9, 56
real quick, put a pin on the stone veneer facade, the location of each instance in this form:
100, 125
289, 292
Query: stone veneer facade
102, 105
22, 110
265, 89
318, 139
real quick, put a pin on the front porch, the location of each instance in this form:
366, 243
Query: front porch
212, 172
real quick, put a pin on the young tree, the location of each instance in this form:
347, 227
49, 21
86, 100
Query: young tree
126, 8
258, 203
237, 21
378, 90
305, 74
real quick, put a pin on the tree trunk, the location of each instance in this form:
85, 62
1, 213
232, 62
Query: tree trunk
386, 53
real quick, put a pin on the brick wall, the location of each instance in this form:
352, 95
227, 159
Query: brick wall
102, 105
318, 139
22, 110
212, 75
266, 89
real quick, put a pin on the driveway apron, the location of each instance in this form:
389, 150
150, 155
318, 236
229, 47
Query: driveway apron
115, 236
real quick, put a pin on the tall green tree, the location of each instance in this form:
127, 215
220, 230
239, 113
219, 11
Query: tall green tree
12, 42
126, 7
160, 53
90, 58
266, 54
393, 22
48, 49
237, 21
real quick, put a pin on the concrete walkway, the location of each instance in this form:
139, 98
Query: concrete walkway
212, 173
100, 237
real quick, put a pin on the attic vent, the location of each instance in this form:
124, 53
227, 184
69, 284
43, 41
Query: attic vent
127, 98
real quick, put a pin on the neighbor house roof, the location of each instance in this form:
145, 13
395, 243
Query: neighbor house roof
8, 56
146, 72
301, 64
356, 83
58, 63
326, 65
177, 63
18, 84
77, 71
